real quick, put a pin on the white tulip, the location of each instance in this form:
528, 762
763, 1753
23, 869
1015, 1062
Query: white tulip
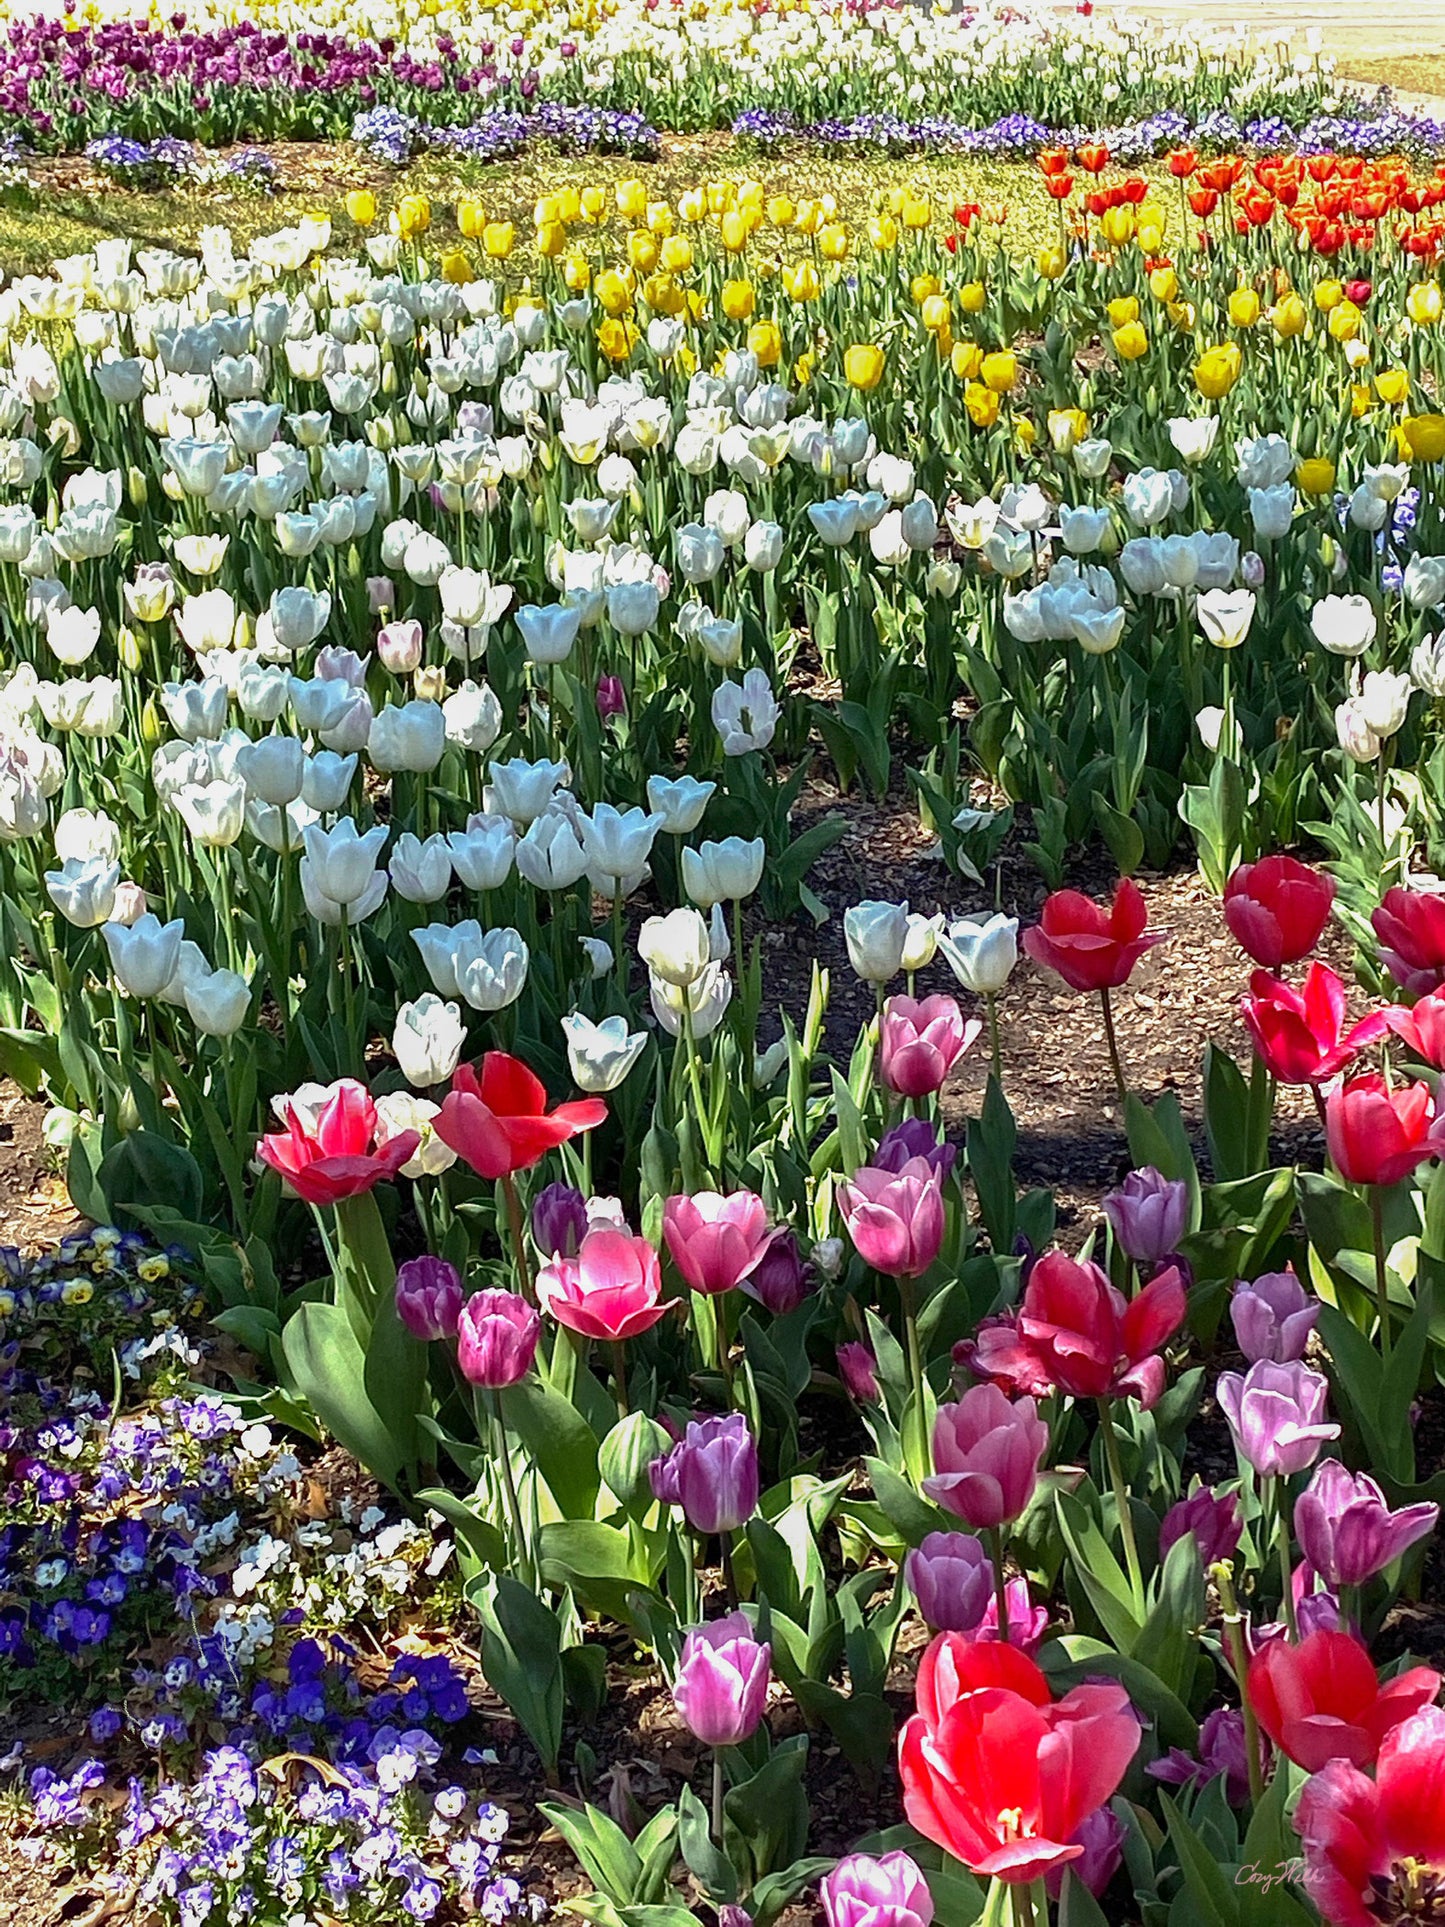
876, 935
144, 954
600, 1055
427, 1040
982, 951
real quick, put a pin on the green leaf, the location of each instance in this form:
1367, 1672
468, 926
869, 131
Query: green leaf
1204, 1879
914, 1517
327, 1367
704, 1857
773, 1892
1099, 1572
992, 1138
144, 1168
1077, 1906
861, 1723
770, 1810
522, 1658
608, 1857
1168, 1642
560, 1440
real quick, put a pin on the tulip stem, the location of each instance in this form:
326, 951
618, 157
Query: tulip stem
1024, 1906
501, 1452
1286, 1562
1111, 1039
908, 1293
1239, 1664
725, 1541
519, 1241
619, 1376
995, 1048
717, 1797
1382, 1276
1121, 1499
994, 1538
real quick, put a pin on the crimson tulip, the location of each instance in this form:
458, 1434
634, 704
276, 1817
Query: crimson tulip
1075, 1333
1277, 908
330, 1149
1321, 1701
1092, 948
1373, 1849
1378, 1133
1410, 925
498, 1121
999, 1774
1422, 1028
1299, 1034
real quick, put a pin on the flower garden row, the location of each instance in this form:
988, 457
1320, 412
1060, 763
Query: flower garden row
413, 683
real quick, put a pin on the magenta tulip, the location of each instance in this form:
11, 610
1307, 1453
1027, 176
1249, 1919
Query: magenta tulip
888, 1892
1347, 1532
712, 1473
895, 1219
987, 1450
497, 1336
921, 1042
716, 1241
722, 1681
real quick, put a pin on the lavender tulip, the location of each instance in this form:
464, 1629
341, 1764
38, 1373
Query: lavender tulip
857, 1367
1149, 1214
1276, 1413
497, 1337
951, 1577
1347, 1532
1273, 1317
712, 1473
1221, 1750
722, 1681
429, 1297
915, 1137
1213, 1519
888, 1892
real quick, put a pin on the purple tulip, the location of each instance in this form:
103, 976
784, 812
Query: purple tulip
559, 1220
1277, 1416
1149, 1214
429, 1297
1221, 1750
1213, 1519
858, 1369
1027, 1623
1347, 1532
722, 1681
712, 1473
951, 1577
864, 1892
780, 1280
1273, 1317
915, 1137
611, 697
1102, 1837
496, 1339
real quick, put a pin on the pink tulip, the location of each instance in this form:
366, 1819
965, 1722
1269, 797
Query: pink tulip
497, 1334
611, 1290
921, 1043
987, 1450
716, 1241
895, 1219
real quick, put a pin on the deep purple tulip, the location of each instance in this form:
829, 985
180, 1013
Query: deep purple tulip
1102, 1837
712, 1473
1149, 1214
1213, 1519
1221, 1750
915, 1137
559, 1220
951, 1577
611, 697
1273, 1317
888, 1892
1277, 1416
429, 1297
1347, 1532
496, 1339
722, 1681
858, 1369
780, 1280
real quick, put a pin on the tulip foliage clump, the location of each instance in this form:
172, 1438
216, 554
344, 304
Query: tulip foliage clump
413, 677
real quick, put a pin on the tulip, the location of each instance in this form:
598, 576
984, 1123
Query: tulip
876, 934
1374, 1847
712, 1473
1378, 1134
779, 1280
1277, 908
1223, 1748
612, 1289
1410, 925
497, 1120
332, 1149
981, 952
675, 947
1101, 1835
83, 890
559, 1220
951, 1578
921, 1042
1346, 1531
1422, 1028
427, 1040
1092, 949
987, 1450
1276, 1413
914, 1137
895, 1219
218, 1001
144, 954
601, 1055
497, 1333
1300, 1035
1149, 1214
1273, 1317
724, 872
680, 803
1321, 1701
429, 1297
721, 1688
716, 1241
997, 1773
1214, 1520
887, 1892
858, 1369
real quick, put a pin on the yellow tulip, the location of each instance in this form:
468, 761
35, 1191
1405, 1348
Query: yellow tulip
782, 211
413, 216
733, 230
1067, 426
692, 204
1123, 309
1130, 341
1025, 434
766, 343
498, 239
617, 338
663, 295
803, 369
456, 268
1163, 284
1393, 385
471, 219
937, 313
1316, 476
613, 292
1051, 261
1118, 225
1423, 303
750, 195
965, 360
916, 214
676, 253
1217, 370
833, 242
721, 195
569, 205
738, 300
1344, 321
1151, 230
642, 250
1244, 308
883, 232
1289, 317
594, 202
577, 273
1362, 400
982, 405
1329, 294
809, 217
802, 282
547, 211
863, 366
973, 297
1422, 437
552, 240
361, 206
631, 199
923, 285
1000, 371
659, 219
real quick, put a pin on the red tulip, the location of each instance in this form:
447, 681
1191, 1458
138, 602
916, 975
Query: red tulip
1298, 1033
998, 1774
1374, 1847
1422, 1027
330, 1152
1074, 1333
499, 1123
1276, 909
1377, 1135
1090, 948
1410, 925
1320, 1700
